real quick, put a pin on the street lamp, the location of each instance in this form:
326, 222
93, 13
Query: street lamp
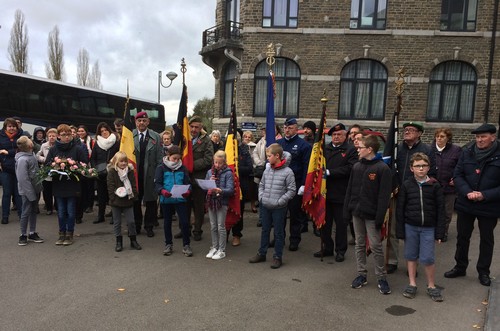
171, 75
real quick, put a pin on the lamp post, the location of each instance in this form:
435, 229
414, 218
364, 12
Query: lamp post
171, 76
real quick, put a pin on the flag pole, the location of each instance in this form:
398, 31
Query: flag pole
271, 95
400, 87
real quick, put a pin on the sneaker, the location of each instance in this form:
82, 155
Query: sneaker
211, 253
410, 291
435, 294
35, 238
23, 241
359, 282
383, 286
168, 250
187, 251
219, 255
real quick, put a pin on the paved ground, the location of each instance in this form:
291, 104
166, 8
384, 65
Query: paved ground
88, 286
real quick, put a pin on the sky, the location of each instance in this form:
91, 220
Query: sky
132, 40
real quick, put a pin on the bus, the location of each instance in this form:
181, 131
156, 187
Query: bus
48, 103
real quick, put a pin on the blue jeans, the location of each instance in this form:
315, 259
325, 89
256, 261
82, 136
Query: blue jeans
419, 244
168, 210
276, 218
9, 185
66, 211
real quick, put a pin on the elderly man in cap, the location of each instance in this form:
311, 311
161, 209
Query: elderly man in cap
301, 153
309, 131
148, 153
340, 156
477, 182
203, 153
411, 144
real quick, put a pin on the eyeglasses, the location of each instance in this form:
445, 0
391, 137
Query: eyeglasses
65, 134
410, 130
420, 166
361, 147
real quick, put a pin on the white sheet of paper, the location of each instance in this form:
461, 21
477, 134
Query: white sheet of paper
206, 184
178, 190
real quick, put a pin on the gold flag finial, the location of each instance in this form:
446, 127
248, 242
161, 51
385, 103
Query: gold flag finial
234, 89
183, 70
324, 99
400, 81
270, 55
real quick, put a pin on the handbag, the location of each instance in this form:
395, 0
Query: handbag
258, 171
101, 168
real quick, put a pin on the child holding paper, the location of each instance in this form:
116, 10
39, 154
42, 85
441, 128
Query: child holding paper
171, 172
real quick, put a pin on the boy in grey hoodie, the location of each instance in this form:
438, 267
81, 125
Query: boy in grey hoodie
26, 171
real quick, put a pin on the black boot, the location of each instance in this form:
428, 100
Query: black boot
134, 244
119, 244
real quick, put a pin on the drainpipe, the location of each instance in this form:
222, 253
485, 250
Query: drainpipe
490, 65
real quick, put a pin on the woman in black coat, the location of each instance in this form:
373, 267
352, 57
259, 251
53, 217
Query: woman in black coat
107, 144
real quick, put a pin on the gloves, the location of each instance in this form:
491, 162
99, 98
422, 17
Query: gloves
327, 172
301, 190
186, 194
166, 193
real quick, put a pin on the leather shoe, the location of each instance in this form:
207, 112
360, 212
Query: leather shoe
340, 257
484, 280
197, 236
454, 273
150, 233
325, 253
178, 235
257, 258
98, 221
236, 241
293, 247
391, 268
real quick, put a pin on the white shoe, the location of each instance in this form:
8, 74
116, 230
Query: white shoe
211, 253
219, 255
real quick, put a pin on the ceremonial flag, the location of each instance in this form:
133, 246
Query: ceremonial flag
127, 138
182, 137
233, 210
270, 126
314, 199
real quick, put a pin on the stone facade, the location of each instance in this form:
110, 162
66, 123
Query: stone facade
323, 44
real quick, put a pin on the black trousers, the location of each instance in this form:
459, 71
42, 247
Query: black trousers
334, 212
465, 226
297, 218
197, 206
149, 214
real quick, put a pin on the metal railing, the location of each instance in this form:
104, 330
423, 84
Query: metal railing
227, 31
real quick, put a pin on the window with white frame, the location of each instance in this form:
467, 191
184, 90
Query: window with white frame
452, 91
368, 14
280, 13
363, 89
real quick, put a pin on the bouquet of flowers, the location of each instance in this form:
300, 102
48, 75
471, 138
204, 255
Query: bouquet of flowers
66, 167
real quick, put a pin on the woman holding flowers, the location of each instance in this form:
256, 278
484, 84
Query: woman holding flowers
105, 147
68, 161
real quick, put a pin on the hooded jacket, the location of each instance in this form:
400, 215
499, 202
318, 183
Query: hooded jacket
26, 172
277, 185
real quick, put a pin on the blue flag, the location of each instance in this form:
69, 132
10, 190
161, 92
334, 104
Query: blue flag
270, 129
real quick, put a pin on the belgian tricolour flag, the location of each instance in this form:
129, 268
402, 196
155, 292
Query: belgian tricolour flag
127, 138
233, 210
314, 199
182, 136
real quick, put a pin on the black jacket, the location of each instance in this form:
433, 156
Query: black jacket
339, 162
470, 176
368, 193
420, 205
404, 155
446, 160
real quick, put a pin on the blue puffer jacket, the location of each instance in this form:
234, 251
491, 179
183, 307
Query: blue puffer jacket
166, 178
7, 160
301, 153
470, 176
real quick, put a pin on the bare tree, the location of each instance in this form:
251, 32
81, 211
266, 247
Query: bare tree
82, 73
18, 45
95, 76
55, 67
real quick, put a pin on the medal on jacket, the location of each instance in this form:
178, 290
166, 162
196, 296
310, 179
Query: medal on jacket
343, 154
478, 171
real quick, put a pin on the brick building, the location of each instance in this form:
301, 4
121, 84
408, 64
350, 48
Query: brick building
353, 49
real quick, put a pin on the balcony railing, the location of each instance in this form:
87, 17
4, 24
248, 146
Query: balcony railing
228, 31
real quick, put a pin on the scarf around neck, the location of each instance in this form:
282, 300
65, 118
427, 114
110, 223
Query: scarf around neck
123, 175
214, 201
172, 165
483, 154
106, 143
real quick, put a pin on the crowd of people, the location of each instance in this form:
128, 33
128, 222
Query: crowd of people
429, 183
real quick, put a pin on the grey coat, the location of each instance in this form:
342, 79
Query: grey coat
154, 155
26, 171
277, 186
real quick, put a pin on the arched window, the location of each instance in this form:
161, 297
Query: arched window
287, 77
452, 91
229, 75
363, 89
